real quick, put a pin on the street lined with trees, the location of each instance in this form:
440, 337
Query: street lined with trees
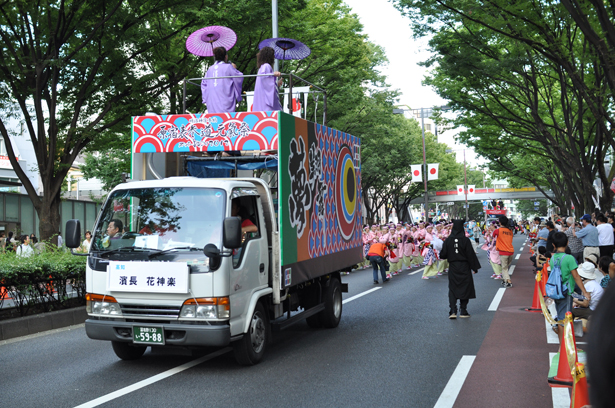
532, 84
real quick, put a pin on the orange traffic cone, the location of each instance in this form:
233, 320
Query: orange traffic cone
580, 393
536, 301
545, 277
563, 378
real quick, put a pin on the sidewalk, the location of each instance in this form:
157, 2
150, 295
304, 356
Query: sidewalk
512, 364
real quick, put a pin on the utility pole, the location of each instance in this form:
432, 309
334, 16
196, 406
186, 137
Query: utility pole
465, 180
274, 28
424, 165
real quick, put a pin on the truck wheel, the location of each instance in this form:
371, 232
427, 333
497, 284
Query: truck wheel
251, 348
331, 316
127, 351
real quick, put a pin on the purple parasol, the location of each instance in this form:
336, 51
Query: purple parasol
286, 48
202, 42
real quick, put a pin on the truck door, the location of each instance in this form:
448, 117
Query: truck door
251, 261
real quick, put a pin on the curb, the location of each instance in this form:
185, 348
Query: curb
23, 326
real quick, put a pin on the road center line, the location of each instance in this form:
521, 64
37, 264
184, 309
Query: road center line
451, 391
496, 300
517, 257
511, 269
151, 380
417, 271
350, 299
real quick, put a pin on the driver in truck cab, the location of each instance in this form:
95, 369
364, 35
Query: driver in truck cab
114, 231
246, 224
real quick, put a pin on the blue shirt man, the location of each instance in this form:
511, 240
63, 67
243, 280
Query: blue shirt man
589, 233
543, 233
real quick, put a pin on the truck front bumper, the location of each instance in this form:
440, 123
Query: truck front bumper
175, 334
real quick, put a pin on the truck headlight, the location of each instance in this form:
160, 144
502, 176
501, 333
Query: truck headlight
102, 304
206, 308
206, 312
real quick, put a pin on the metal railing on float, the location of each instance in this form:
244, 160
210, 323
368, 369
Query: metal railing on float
318, 90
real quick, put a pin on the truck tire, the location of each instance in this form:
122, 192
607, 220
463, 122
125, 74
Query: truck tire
253, 344
331, 316
127, 351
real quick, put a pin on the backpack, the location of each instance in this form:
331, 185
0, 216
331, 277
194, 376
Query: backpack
554, 287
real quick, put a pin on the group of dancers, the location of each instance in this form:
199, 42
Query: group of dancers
410, 246
221, 93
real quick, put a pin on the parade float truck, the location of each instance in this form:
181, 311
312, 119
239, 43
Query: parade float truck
232, 226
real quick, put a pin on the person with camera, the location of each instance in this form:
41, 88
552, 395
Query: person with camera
377, 254
575, 244
589, 236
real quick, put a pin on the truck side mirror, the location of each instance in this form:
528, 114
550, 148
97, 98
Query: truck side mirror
213, 253
232, 232
73, 234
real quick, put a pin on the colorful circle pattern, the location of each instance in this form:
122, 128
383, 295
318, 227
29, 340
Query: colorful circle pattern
345, 192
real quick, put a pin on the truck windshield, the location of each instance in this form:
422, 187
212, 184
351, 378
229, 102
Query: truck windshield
161, 219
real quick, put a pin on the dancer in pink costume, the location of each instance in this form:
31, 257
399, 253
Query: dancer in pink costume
408, 246
399, 251
416, 252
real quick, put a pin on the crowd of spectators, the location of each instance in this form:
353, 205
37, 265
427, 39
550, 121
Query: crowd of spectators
584, 251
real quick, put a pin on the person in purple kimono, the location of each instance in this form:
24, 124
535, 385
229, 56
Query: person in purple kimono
266, 96
221, 95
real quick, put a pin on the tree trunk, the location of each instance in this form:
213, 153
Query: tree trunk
48, 211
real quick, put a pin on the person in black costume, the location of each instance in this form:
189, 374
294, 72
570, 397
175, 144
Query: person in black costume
457, 249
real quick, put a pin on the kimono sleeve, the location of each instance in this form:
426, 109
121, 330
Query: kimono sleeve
444, 251
471, 255
237, 84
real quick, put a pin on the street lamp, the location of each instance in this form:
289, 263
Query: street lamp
425, 113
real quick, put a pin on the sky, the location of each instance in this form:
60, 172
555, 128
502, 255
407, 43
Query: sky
404, 54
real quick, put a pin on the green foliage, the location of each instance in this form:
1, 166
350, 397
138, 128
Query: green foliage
38, 283
108, 168
527, 208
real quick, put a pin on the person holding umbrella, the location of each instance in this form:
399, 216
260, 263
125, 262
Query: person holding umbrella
458, 250
221, 95
266, 96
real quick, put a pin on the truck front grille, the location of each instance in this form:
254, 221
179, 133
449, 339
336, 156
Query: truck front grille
161, 312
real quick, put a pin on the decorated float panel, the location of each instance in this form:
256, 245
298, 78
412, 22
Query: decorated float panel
320, 199
319, 179
205, 132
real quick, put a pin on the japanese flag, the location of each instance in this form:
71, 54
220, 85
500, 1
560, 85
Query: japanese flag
471, 189
417, 173
460, 189
432, 171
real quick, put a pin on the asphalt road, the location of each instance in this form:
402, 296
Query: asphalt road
395, 347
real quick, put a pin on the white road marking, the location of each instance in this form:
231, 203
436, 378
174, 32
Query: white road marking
151, 380
417, 271
350, 299
521, 249
496, 300
511, 269
451, 391
518, 255
560, 396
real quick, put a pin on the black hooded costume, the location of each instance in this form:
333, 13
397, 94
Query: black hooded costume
458, 250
